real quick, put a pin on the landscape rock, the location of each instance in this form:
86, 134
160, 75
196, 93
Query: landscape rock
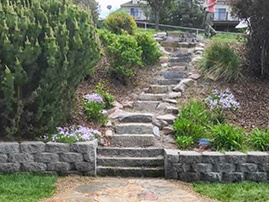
181, 87
188, 82
167, 130
156, 131
174, 95
169, 118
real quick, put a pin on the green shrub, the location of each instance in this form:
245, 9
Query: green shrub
220, 62
259, 139
193, 120
120, 21
184, 142
226, 137
46, 49
123, 53
151, 52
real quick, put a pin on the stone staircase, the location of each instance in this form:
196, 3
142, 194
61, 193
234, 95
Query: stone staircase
130, 162
137, 133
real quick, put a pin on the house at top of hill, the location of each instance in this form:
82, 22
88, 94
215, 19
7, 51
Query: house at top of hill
223, 19
134, 8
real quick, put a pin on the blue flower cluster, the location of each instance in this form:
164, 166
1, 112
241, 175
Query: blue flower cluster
222, 100
79, 133
93, 98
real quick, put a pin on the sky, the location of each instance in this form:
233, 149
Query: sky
114, 3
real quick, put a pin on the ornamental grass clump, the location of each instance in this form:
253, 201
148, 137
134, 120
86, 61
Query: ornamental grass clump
73, 134
93, 107
222, 63
259, 139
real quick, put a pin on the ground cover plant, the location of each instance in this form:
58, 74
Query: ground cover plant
243, 191
26, 187
208, 119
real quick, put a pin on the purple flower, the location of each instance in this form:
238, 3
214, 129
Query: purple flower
222, 100
93, 98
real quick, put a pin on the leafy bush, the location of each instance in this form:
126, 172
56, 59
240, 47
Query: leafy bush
94, 106
151, 52
107, 97
46, 48
184, 142
193, 120
220, 62
123, 53
73, 134
120, 21
226, 137
259, 139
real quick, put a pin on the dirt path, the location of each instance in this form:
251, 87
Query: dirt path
77, 188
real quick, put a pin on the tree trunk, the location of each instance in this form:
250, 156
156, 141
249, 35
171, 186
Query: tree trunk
157, 20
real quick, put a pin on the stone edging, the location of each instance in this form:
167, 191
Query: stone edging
75, 158
217, 167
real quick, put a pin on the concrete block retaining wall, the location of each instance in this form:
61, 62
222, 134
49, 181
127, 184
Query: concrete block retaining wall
192, 166
75, 158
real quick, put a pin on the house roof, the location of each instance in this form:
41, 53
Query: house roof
128, 4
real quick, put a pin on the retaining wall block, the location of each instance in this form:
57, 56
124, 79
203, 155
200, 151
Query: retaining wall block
202, 167
56, 147
3, 158
10, 167
224, 167
256, 177
58, 166
9, 147
71, 157
84, 166
263, 167
84, 147
171, 171
211, 177
247, 167
232, 177
235, 157
20, 158
189, 177
190, 157
171, 155
212, 157
32, 147
46, 157
33, 167
258, 157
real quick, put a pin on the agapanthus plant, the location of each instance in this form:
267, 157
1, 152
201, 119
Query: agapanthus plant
73, 134
221, 101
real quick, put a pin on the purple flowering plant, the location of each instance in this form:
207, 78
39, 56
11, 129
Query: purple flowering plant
93, 107
73, 134
221, 101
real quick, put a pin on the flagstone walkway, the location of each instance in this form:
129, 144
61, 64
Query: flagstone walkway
76, 188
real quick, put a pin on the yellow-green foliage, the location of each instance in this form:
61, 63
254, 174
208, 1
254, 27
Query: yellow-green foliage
120, 21
46, 49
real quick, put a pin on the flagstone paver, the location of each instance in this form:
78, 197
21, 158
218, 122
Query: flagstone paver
126, 190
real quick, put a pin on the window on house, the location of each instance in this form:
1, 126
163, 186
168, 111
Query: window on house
220, 14
134, 12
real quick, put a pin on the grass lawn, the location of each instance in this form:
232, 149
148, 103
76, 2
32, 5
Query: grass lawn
245, 191
225, 38
26, 187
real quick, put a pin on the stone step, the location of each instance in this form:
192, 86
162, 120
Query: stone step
148, 106
130, 171
180, 59
168, 81
173, 74
135, 118
130, 152
175, 69
181, 55
132, 140
151, 97
159, 89
134, 128
169, 118
130, 161
172, 64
